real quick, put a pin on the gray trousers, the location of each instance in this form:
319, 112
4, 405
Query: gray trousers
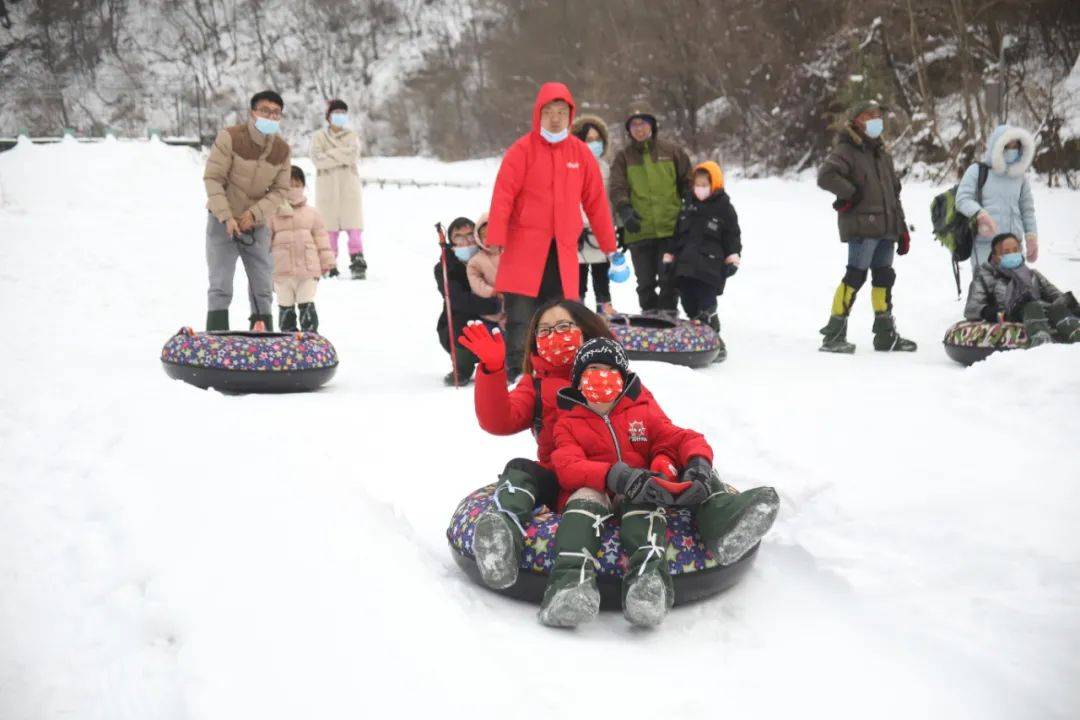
221, 254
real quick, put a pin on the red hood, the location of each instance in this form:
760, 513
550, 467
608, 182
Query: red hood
549, 92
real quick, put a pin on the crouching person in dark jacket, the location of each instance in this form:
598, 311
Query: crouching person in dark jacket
860, 172
465, 305
707, 247
1005, 288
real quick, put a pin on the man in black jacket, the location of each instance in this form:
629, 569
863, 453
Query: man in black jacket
465, 305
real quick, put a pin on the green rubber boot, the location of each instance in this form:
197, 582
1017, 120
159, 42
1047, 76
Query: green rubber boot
217, 320
498, 536
287, 318
647, 590
835, 333
572, 597
731, 523
1037, 324
886, 338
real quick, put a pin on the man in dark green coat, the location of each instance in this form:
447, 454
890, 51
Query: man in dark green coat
649, 178
860, 172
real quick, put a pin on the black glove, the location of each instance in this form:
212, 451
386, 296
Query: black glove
730, 269
699, 472
620, 238
630, 219
582, 239
845, 204
637, 485
989, 314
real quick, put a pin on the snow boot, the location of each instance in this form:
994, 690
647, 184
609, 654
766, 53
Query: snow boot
731, 523
266, 320
836, 336
217, 320
1036, 324
309, 319
647, 590
886, 338
713, 320
1066, 325
358, 266
333, 273
572, 596
287, 318
498, 537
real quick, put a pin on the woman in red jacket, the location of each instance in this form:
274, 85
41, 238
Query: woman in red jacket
546, 179
611, 442
554, 335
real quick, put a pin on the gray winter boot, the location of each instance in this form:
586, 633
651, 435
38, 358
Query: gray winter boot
498, 537
1036, 324
886, 338
309, 319
835, 333
648, 592
571, 596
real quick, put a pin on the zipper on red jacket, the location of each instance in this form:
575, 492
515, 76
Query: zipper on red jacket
607, 421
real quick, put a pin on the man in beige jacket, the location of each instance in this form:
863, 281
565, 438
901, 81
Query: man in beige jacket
247, 178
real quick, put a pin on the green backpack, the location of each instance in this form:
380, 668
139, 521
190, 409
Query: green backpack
954, 230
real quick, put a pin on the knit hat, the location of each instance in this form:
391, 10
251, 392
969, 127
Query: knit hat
864, 105
603, 351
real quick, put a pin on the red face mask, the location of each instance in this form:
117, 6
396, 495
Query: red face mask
601, 386
559, 348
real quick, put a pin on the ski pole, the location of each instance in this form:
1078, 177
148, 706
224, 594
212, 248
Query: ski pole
446, 299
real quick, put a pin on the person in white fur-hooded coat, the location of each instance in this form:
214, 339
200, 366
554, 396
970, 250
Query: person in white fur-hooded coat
1007, 204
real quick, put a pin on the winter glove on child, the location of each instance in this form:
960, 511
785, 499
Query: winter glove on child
985, 225
664, 467
904, 245
843, 205
630, 219
698, 472
637, 485
731, 264
488, 347
1032, 242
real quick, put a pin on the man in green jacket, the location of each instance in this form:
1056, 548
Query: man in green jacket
649, 178
860, 172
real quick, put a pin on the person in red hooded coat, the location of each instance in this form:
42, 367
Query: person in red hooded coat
546, 178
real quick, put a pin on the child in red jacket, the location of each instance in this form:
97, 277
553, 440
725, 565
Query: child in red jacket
611, 442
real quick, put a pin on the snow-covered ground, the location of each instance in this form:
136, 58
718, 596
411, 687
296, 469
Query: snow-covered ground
172, 553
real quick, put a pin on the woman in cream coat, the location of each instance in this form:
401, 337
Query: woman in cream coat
335, 151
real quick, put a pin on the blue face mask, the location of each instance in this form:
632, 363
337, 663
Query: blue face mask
464, 254
554, 137
339, 119
1012, 155
597, 147
874, 127
267, 126
1011, 261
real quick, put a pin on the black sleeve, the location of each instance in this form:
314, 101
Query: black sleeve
732, 233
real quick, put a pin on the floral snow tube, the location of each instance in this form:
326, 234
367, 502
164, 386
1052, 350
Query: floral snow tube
250, 362
680, 342
694, 571
968, 342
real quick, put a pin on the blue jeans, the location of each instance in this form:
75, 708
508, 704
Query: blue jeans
866, 253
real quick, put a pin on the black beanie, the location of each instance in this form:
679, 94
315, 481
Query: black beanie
603, 351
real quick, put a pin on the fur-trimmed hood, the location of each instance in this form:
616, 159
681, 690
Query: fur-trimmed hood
578, 129
995, 150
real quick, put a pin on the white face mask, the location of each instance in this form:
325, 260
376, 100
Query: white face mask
554, 137
701, 192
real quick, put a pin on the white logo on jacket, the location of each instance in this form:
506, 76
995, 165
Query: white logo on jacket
573, 165
638, 432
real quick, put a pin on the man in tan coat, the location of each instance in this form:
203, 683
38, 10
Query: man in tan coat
247, 178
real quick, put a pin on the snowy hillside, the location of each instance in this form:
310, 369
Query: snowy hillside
171, 553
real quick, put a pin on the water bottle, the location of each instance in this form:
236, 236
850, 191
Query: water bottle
619, 270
